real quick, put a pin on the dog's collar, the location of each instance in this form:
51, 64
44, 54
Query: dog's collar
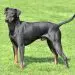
18, 23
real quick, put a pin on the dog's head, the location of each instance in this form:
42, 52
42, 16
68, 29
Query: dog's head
11, 14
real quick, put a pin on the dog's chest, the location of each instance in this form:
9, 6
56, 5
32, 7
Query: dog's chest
13, 35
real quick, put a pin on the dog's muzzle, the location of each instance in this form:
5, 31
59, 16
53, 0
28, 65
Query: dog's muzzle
9, 20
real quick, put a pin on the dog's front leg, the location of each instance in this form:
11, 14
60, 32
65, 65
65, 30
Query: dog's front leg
21, 50
20, 43
15, 50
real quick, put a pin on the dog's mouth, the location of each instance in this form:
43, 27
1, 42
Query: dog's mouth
9, 20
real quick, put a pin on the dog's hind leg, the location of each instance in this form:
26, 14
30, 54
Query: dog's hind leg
53, 51
59, 50
55, 38
51, 47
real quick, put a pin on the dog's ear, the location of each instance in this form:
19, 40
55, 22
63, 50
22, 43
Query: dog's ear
6, 9
18, 12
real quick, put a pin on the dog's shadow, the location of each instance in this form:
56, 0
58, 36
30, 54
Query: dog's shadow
29, 60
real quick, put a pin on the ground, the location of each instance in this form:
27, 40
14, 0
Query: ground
38, 57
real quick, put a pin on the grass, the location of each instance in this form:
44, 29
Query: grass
38, 57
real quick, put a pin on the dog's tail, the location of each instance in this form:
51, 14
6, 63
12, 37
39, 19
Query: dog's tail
64, 22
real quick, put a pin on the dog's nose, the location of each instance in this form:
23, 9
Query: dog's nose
6, 20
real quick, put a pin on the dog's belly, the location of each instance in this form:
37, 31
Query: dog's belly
27, 42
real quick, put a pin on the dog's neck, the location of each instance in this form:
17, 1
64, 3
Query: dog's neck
12, 26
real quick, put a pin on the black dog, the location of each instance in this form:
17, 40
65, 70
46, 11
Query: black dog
23, 33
